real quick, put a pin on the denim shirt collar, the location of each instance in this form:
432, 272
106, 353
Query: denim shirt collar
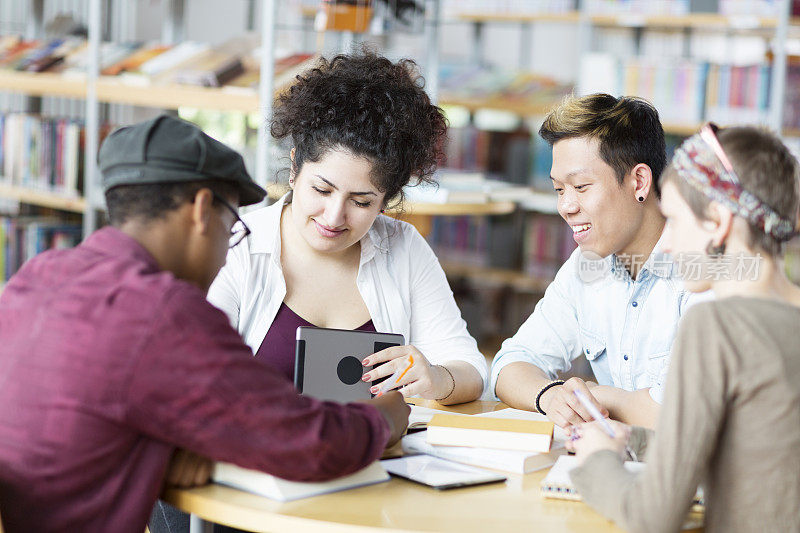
658, 263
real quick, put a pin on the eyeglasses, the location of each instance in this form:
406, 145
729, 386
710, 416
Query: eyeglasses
709, 135
239, 230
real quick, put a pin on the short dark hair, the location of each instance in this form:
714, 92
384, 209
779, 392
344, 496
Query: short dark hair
371, 107
765, 167
628, 129
150, 202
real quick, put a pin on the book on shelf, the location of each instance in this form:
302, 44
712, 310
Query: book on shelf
484, 432
218, 65
77, 62
21, 238
162, 64
135, 60
547, 244
503, 87
284, 490
287, 68
43, 153
16, 51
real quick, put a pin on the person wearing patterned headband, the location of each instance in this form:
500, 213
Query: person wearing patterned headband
731, 415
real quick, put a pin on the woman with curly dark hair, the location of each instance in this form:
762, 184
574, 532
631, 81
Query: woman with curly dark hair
362, 128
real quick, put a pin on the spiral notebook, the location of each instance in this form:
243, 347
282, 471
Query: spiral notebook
558, 484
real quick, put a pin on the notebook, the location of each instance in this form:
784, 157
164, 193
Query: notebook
557, 483
283, 490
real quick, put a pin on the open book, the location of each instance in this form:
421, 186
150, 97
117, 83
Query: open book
283, 490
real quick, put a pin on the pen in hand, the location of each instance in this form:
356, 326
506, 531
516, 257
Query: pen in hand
595, 412
394, 378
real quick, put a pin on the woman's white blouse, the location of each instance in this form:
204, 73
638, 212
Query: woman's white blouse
399, 279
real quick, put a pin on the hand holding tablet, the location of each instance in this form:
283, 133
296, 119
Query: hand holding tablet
411, 373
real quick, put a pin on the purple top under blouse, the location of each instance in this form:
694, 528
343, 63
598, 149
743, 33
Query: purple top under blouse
278, 346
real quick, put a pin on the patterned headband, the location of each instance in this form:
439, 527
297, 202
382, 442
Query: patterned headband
702, 162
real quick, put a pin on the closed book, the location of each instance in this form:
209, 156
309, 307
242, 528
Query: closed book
497, 433
283, 490
135, 60
513, 461
213, 71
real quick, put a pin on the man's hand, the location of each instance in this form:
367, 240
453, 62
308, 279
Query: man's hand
563, 407
394, 409
187, 469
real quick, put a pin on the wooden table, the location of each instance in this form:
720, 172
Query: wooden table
399, 505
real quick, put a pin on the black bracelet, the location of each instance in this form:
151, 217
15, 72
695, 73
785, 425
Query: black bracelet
553, 383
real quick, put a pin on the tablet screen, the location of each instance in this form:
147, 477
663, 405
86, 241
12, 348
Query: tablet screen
439, 473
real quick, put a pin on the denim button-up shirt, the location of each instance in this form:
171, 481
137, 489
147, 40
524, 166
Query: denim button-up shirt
624, 327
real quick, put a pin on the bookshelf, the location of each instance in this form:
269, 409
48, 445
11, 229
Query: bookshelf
114, 91
521, 18
772, 26
49, 199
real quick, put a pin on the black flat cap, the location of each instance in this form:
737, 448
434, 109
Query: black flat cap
170, 150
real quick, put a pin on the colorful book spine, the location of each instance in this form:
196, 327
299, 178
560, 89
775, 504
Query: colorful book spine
43, 153
21, 238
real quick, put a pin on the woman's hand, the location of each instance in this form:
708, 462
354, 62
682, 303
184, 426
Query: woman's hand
416, 376
590, 437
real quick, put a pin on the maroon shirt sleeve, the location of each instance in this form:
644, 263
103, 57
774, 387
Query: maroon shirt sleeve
197, 386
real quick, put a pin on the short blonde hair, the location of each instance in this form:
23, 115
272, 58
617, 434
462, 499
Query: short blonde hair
628, 129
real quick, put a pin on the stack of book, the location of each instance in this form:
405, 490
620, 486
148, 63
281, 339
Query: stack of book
509, 440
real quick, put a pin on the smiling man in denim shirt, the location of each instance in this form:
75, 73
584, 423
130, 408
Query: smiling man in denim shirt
616, 300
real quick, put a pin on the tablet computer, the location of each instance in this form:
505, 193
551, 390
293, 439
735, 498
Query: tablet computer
327, 362
439, 473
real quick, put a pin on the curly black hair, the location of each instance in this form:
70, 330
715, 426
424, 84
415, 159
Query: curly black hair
371, 107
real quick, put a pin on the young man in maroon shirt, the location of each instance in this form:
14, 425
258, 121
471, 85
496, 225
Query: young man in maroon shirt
111, 359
